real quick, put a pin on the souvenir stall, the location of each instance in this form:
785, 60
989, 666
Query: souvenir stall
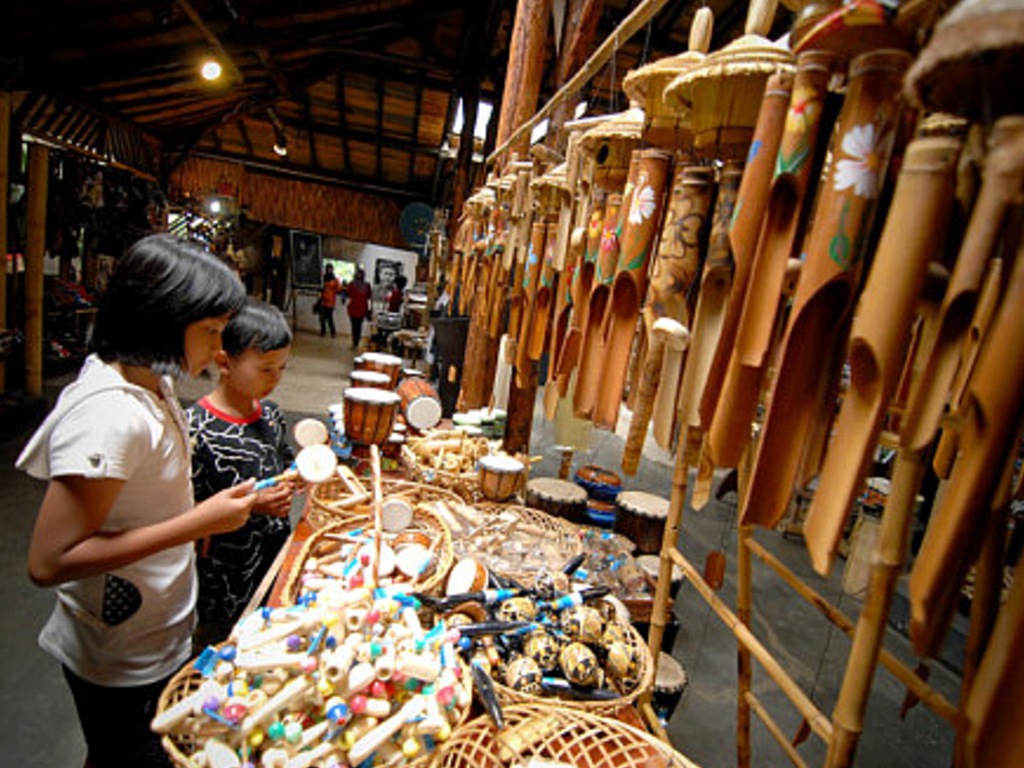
776, 261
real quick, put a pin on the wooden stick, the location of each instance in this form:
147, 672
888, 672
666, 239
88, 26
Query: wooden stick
773, 728
744, 665
378, 528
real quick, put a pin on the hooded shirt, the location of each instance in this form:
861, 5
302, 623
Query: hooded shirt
131, 625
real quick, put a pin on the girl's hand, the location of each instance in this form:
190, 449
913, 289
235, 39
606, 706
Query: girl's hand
229, 509
276, 501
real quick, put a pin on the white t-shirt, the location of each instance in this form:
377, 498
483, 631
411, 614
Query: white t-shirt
133, 625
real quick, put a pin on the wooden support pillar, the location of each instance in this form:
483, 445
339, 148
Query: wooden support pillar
38, 185
525, 70
5, 154
581, 18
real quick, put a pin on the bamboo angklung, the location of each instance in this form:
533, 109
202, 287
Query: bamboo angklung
914, 231
785, 215
828, 279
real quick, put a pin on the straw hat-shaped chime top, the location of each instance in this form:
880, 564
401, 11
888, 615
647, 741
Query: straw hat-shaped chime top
610, 144
646, 86
973, 63
554, 178
722, 95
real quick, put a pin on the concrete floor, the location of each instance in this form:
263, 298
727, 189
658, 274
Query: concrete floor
42, 729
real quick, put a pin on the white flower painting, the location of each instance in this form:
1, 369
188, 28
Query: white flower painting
643, 204
867, 152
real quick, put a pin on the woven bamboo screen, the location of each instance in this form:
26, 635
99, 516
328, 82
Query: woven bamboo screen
296, 204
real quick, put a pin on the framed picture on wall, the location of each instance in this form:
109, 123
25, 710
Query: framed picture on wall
385, 271
306, 259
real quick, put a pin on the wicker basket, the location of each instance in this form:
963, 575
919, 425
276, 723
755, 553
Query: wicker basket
465, 484
645, 682
500, 519
181, 746
324, 498
424, 521
573, 737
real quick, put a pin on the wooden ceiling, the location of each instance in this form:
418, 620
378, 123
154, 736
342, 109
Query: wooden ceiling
364, 92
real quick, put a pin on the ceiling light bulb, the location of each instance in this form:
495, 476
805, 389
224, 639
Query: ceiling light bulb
211, 69
281, 149
215, 206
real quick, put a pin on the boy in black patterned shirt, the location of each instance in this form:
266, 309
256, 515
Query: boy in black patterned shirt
237, 434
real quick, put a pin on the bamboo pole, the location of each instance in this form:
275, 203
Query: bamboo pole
5, 139
928, 696
773, 728
744, 601
38, 185
632, 24
817, 721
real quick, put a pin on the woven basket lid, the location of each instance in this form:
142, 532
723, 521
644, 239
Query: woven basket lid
639, 82
972, 65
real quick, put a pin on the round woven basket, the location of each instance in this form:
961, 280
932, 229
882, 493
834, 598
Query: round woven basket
645, 682
465, 484
423, 521
499, 519
324, 498
553, 733
180, 747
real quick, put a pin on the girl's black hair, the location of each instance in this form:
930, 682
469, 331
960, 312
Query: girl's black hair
257, 325
158, 288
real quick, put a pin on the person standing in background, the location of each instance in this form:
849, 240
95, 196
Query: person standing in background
397, 294
358, 292
328, 298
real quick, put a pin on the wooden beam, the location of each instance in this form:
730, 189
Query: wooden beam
5, 155
380, 126
226, 60
339, 88
35, 245
310, 134
244, 131
416, 129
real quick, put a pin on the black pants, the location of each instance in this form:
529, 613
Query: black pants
115, 723
357, 330
326, 320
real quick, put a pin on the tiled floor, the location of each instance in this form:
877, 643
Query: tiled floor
42, 730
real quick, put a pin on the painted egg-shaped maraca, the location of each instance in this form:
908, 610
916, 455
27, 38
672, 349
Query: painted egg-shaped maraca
613, 633
584, 624
540, 645
523, 674
517, 609
622, 666
579, 665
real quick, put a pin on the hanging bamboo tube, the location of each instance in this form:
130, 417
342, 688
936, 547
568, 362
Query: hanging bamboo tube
1002, 185
530, 282
994, 736
640, 224
751, 202
589, 366
665, 333
914, 232
785, 216
535, 342
828, 280
995, 399
714, 291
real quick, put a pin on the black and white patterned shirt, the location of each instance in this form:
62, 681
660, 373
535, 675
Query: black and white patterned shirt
227, 451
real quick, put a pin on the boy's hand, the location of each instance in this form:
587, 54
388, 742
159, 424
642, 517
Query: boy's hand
229, 509
276, 500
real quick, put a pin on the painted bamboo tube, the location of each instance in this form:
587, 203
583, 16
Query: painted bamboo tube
589, 365
994, 736
995, 399
530, 283
583, 281
639, 228
707, 323
542, 303
558, 382
1002, 184
675, 270
914, 231
745, 227
988, 301
785, 215
829, 276
665, 333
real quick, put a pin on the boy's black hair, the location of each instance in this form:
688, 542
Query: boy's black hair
158, 288
401, 281
257, 325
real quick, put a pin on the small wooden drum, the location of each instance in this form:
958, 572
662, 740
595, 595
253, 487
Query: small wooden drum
641, 516
408, 373
382, 363
600, 514
421, 404
375, 379
500, 476
599, 483
369, 414
651, 566
669, 684
560, 498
